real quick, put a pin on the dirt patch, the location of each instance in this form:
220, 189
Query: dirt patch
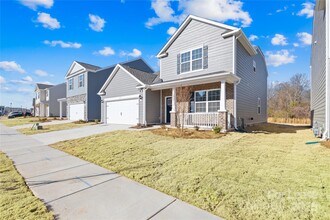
270, 128
326, 144
187, 133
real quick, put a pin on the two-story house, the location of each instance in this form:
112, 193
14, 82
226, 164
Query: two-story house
225, 75
320, 70
83, 83
46, 104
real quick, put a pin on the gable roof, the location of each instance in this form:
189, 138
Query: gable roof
231, 31
141, 77
43, 86
88, 66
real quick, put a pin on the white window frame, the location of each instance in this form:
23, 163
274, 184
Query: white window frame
82, 81
70, 84
207, 97
191, 60
254, 66
259, 106
47, 94
38, 95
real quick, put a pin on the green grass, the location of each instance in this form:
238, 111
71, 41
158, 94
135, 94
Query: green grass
16, 200
18, 121
57, 127
269, 173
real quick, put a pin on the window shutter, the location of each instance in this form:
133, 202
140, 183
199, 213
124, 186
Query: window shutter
205, 57
178, 64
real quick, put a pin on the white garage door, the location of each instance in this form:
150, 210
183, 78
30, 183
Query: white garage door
123, 112
77, 112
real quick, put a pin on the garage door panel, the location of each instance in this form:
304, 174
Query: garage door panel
77, 112
123, 112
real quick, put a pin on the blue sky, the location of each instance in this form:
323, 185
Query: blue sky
41, 38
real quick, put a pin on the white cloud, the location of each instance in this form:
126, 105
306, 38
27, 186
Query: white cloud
171, 30
46, 82
11, 66
253, 37
33, 4
96, 23
106, 51
41, 73
26, 81
47, 21
220, 10
25, 90
62, 44
305, 38
295, 44
2, 80
282, 9
308, 10
134, 53
279, 39
279, 58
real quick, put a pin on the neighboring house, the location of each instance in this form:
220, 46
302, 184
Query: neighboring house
225, 75
46, 104
320, 70
83, 83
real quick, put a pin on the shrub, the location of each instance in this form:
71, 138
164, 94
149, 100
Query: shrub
163, 126
196, 128
97, 121
216, 129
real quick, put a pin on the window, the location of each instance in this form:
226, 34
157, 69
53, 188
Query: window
207, 101
47, 93
254, 66
259, 106
71, 84
37, 95
192, 60
81, 80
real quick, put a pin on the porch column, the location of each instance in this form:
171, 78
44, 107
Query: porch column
173, 111
223, 96
60, 110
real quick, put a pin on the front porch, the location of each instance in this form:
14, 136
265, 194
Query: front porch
200, 103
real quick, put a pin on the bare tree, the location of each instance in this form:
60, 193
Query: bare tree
183, 94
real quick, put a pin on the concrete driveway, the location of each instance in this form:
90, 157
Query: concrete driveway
63, 135
76, 189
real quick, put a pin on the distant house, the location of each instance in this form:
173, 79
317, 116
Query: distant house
83, 83
226, 76
320, 70
46, 100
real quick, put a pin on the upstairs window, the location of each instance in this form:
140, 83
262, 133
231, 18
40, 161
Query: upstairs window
191, 60
81, 80
47, 93
71, 84
254, 66
259, 106
37, 95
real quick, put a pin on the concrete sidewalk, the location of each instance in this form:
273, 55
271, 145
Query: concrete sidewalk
76, 189
63, 135
55, 122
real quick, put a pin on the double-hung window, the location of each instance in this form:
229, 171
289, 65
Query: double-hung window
207, 100
70, 84
47, 94
259, 106
81, 80
191, 60
254, 66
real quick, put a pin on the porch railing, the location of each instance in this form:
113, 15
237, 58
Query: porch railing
198, 119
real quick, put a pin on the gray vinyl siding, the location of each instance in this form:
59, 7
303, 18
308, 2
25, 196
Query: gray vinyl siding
318, 76
123, 84
77, 90
55, 93
152, 107
252, 85
197, 34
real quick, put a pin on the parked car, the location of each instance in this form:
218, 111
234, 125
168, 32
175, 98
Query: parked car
27, 114
15, 114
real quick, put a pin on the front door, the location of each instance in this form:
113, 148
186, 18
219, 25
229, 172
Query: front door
168, 109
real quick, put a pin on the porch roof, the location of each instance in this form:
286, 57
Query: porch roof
201, 79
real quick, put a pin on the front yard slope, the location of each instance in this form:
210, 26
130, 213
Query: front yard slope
260, 175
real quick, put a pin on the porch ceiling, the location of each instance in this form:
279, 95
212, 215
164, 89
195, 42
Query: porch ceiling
209, 78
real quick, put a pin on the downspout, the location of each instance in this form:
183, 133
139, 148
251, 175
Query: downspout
144, 106
235, 84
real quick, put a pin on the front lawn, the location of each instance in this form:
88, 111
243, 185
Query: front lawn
56, 127
16, 200
11, 122
268, 173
